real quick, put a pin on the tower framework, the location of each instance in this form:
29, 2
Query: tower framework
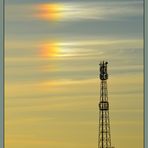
104, 137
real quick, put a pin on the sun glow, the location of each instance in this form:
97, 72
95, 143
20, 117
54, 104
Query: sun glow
56, 49
50, 11
50, 50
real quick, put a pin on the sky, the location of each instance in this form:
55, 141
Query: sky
52, 53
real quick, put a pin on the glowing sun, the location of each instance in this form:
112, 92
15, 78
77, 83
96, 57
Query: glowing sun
50, 50
50, 11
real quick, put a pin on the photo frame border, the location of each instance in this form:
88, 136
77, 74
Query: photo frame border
145, 56
1, 73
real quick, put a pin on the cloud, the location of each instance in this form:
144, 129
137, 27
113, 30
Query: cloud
70, 48
94, 10
75, 11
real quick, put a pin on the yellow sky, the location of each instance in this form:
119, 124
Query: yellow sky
52, 66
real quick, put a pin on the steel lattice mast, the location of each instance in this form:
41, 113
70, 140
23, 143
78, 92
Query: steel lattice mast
104, 137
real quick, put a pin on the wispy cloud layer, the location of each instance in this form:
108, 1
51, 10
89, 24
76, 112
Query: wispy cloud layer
77, 11
93, 11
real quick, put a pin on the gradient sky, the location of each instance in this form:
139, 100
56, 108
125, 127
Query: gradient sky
53, 50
